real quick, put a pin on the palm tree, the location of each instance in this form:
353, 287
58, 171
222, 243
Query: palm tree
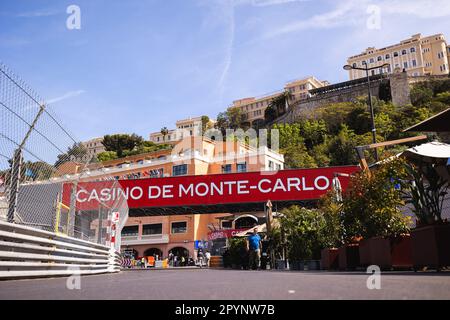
164, 132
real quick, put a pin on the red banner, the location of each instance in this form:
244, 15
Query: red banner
284, 185
223, 233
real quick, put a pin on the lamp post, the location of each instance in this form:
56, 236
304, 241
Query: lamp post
367, 69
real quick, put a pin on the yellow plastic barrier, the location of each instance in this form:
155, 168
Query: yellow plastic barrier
165, 263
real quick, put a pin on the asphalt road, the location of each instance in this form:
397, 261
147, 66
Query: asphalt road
233, 284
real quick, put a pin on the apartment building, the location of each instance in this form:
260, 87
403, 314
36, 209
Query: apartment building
147, 235
94, 147
254, 107
417, 55
184, 128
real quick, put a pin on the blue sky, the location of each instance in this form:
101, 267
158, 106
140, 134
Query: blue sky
136, 66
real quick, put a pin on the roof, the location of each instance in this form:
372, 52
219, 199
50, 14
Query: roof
437, 123
434, 149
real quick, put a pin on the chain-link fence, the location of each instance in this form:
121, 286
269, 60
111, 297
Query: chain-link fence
39, 158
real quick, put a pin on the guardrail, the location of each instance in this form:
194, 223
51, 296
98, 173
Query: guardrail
27, 252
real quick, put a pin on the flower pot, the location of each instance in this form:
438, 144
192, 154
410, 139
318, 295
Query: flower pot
365, 255
313, 264
296, 265
281, 264
431, 246
329, 259
393, 252
349, 256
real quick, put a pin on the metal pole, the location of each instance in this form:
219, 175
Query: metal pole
14, 185
374, 135
16, 170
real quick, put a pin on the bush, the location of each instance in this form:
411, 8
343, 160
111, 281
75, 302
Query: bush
238, 254
303, 230
371, 204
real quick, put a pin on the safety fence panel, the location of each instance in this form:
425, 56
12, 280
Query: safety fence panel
27, 252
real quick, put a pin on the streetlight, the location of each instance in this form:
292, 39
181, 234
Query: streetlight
367, 69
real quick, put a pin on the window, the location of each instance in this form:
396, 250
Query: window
371, 60
412, 50
241, 167
363, 62
388, 56
179, 227
227, 224
379, 58
148, 229
226, 168
130, 231
354, 65
403, 52
414, 63
179, 170
405, 65
270, 165
395, 54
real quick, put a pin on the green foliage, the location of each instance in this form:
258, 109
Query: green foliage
238, 252
426, 193
421, 95
121, 142
230, 119
332, 230
74, 153
303, 231
205, 124
270, 113
106, 156
371, 203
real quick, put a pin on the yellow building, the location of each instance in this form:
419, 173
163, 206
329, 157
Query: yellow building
184, 128
418, 56
254, 107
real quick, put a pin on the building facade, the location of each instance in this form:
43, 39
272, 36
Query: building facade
94, 147
418, 56
184, 128
253, 107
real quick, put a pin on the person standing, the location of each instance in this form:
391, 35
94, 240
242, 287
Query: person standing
254, 246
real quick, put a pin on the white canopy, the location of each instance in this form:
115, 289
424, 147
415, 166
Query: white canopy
434, 149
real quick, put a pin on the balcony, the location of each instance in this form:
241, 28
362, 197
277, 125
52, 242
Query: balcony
145, 239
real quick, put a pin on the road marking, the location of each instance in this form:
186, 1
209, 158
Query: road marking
291, 291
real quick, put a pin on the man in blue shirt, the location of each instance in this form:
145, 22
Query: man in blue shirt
254, 245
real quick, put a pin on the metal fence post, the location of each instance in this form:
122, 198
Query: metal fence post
14, 185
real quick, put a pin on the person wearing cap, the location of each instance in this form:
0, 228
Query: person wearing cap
254, 246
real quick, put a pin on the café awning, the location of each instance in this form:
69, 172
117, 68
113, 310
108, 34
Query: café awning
434, 149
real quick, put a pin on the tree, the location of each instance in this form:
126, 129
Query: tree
205, 124
421, 95
74, 153
106, 156
164, 131
303, 230
371, 204
121, 142
230, 119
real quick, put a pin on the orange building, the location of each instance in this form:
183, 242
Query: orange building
178, 233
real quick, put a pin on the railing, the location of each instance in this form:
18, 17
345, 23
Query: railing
28, 252
145, 239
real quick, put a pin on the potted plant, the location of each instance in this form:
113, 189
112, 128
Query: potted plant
238, 253
430, 239
331, 233
372, 212
302, 229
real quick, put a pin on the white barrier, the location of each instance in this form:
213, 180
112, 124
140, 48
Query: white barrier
28, 252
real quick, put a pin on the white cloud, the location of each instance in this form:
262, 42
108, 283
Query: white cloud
38, 13
65, 96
